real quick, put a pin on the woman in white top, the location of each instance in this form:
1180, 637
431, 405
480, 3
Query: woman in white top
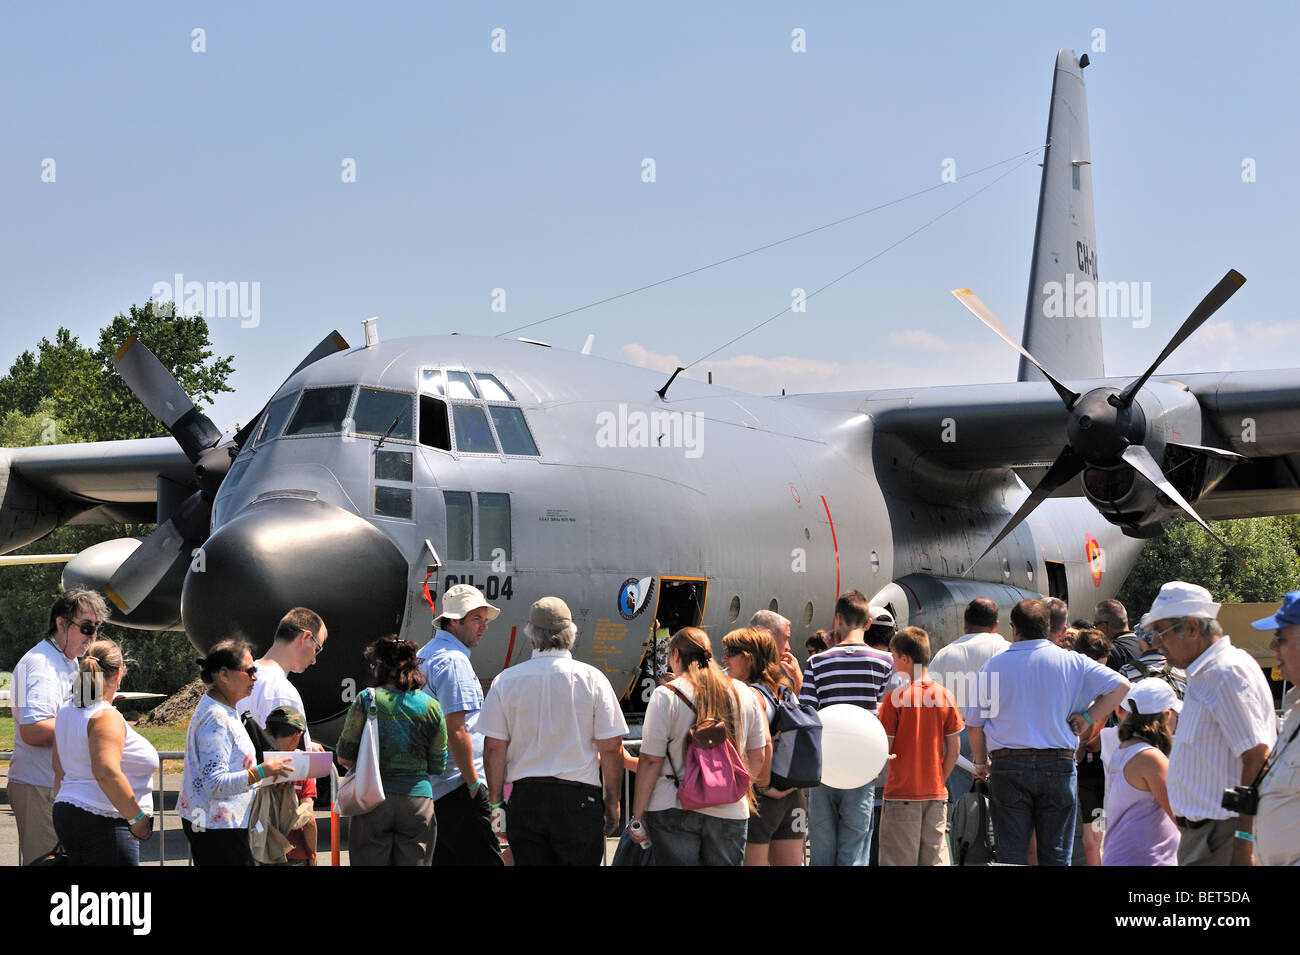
220, 763
103, 769
713, 835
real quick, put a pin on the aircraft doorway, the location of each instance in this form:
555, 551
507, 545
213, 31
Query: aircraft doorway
1057, 584
680, 602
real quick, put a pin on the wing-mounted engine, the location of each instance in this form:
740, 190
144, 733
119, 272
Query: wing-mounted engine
1119, 444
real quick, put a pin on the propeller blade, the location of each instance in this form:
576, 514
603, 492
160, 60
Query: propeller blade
1140, 459
981, 311
165, 399
331, 343
1065, 467
136, 578
1212, 302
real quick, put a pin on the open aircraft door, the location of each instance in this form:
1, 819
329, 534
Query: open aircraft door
678, 602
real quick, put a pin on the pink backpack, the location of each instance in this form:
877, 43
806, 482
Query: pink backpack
714, 774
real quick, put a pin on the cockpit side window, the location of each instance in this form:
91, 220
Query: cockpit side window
512, 430
321, 411
274, 419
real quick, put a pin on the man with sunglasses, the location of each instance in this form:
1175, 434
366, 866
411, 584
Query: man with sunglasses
42, 684
1224, 731
299, 639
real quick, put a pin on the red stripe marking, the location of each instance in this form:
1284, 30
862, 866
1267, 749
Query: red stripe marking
836, 545
511, 649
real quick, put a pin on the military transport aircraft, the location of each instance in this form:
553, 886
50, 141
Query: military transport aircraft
526, 470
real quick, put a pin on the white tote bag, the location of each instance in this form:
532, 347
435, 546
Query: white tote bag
362, 789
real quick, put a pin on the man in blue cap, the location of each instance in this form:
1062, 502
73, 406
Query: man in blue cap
1277, 826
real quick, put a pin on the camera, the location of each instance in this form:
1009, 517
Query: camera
1243, 800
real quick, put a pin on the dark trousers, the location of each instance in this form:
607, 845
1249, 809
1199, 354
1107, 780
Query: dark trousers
218, 846
465, 835
94, 840
555, 824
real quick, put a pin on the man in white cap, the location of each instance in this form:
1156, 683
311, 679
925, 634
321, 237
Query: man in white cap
553, 729
1224, 732
460, 797
1277, 827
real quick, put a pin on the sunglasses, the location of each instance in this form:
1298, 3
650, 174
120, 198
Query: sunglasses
88, 629
250, 670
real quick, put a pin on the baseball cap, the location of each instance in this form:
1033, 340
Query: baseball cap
1181, 599
287, 716
550, 613
880, 617
1287, 615
1152, 695
461, 599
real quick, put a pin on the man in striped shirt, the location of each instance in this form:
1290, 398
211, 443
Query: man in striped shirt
1224, 731
849, 672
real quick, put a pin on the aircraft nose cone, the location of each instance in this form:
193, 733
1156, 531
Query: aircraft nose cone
287, 552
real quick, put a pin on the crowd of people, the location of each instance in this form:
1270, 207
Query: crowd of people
1086, 743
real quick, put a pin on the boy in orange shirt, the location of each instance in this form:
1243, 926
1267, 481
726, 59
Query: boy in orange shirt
923, 724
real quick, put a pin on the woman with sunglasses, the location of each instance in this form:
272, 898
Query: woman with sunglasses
220, 766
778, 822
103, 769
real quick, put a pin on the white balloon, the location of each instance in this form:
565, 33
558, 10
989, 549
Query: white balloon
854, 746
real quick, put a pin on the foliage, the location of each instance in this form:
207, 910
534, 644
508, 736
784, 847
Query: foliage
1268, 545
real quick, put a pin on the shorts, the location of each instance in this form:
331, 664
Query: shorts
779, 819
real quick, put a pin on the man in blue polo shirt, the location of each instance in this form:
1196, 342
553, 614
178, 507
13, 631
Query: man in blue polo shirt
460, 796
1036, 701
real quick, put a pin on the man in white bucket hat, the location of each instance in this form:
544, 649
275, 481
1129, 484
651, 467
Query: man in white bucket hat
460, 796
1224, 732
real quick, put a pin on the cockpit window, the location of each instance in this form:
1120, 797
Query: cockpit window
459, 385
512, 430
321, 411
431, 382
491, 387
472, 431
377, 410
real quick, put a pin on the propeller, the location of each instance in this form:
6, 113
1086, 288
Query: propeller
200, 439
1106, 428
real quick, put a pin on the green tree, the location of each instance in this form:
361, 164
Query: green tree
1268, 545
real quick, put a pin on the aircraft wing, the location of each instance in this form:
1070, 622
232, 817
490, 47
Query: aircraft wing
100, 482
1257, 415
1022, 425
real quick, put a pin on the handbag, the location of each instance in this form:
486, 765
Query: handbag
362, 789
631, 853
713, 774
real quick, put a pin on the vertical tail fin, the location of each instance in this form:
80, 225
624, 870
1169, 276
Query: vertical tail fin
1065, 240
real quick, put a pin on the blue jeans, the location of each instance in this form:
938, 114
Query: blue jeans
839, 823
94, 840
1033, 793
681, 837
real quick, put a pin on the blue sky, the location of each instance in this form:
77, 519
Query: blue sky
522, 170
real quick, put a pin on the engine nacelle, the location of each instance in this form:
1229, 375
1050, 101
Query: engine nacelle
1138, 507
95, 566
938, 604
